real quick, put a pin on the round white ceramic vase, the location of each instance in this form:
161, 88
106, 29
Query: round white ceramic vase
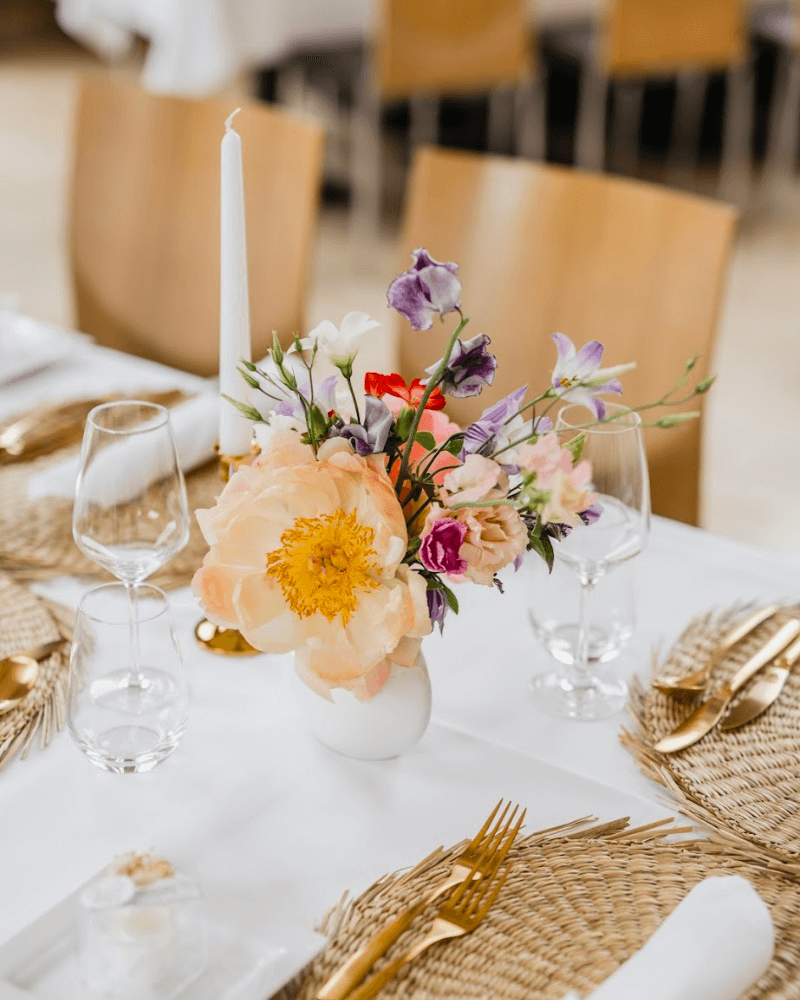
381, 727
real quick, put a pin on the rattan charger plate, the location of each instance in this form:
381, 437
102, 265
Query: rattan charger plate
575, 907
743, 784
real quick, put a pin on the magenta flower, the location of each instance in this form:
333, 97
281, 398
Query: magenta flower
579, 378
469, 368
440, 547
426, 289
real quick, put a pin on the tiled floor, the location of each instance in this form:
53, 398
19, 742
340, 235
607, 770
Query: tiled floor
751, 484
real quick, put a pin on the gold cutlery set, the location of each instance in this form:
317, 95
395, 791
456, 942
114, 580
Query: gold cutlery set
18, 673
473, 884
771, 666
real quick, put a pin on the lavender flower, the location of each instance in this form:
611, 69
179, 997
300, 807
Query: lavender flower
440, 547
437, 607
491, 421
469, 368
578, 376
368, 437
426, 289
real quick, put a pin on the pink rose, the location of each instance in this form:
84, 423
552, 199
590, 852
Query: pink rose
475, 480
544, 458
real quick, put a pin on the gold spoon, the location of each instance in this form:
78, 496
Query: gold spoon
18, 674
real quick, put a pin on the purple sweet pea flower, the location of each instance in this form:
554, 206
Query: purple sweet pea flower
579, 378
439, 549
437, 607
426, 289
491, 421
324, 398
469, 368
591, 514
368, 437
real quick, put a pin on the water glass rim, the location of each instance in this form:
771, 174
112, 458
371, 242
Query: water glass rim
160, 418
122, 589
604, 427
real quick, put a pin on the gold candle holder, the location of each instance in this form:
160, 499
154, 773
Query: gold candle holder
216, 638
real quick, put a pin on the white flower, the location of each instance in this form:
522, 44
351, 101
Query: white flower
265, 432
516, 430
341, 344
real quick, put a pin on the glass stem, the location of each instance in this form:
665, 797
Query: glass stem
580, 667
137, 678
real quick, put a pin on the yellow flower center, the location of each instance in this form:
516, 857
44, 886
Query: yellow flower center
323, 564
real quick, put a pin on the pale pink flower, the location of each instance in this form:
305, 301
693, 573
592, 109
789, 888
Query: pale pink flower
495, 537
475, 480
306, 555
544, 458
568, 495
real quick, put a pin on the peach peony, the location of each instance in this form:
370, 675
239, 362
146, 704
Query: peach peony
495, 537
306, 555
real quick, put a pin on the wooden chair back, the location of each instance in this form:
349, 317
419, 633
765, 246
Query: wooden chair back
648, 37
546, 249
145, 235
451, 46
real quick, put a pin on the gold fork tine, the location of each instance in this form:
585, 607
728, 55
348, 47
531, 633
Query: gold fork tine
497, 851
478, 857
460, 914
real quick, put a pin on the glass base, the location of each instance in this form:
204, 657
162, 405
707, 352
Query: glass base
598, 697
128, 749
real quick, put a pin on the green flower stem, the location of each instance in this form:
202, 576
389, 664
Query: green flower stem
482, 503
545, 395
353, 397
433, 381
432, 455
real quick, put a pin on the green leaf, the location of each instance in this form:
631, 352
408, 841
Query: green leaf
252, 382
402, 424
452, 600
319, 422
454, 446
249, 411
426, 439
544, 547
575, 447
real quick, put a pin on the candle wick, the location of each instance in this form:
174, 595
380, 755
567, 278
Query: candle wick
230, 118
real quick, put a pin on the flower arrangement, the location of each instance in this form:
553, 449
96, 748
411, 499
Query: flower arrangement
345, 538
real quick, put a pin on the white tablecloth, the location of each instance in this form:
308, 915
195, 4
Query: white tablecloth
272, 824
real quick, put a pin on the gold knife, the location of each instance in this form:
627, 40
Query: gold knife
707, 715
765, 691
697, 680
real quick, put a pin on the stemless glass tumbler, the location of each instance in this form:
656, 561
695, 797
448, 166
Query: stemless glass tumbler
126, 716
620, 480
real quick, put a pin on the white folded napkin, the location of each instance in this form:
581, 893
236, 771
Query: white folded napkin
195, 425
713, 946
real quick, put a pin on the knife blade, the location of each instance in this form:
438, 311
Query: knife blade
707, 715
765, 691
697, 680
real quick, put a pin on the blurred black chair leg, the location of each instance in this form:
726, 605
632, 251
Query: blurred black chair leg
687, 123
500, 121
423, 121
737, 136
590, 127
626, 123
780, 158
530, 119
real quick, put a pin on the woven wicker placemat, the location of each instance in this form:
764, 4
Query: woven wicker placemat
744, 784
575, 907
27, 620
36, 540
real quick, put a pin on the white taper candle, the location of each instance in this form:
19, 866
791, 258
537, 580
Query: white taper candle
235, 430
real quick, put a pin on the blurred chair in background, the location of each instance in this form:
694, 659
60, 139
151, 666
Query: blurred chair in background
144, 242
642, 39
426, 49
544, 249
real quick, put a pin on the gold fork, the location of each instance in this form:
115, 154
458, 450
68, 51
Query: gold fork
484, 854
460, 914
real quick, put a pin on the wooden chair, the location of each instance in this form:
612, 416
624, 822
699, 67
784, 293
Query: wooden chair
687, 39
544, 249
426, 49
145, 240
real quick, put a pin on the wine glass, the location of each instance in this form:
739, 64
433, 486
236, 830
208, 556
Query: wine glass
130, 514
620, 481
119, 726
